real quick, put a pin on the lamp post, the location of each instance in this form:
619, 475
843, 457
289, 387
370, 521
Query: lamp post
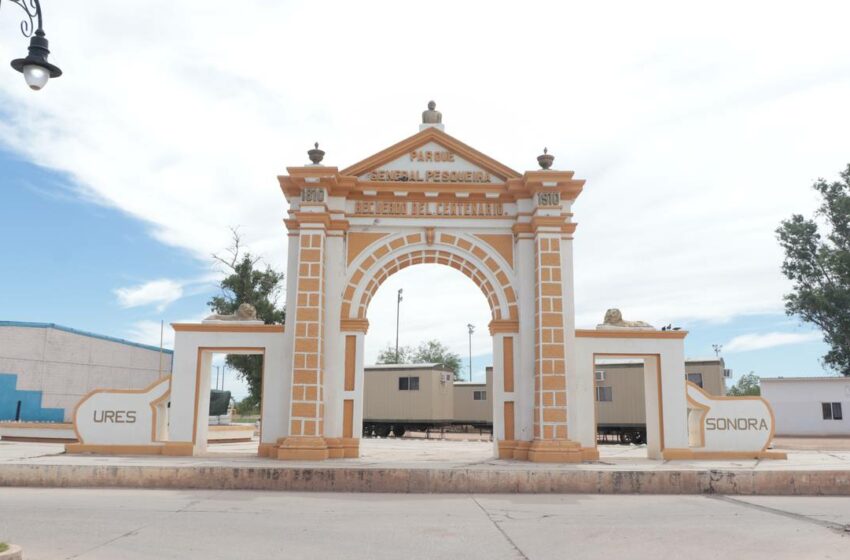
34, 66
471, 329
397, 308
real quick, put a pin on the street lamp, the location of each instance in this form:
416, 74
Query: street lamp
34, 67
397, 308
471, 328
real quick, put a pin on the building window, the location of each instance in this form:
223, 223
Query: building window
832, 411
479, 395
408, 383
696, 379
604, 394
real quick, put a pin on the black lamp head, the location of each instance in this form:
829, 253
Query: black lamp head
37, 56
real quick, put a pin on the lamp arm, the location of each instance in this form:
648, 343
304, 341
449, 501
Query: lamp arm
32, 9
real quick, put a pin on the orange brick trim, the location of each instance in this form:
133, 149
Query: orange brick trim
550, 384
412, 249
307, 404
503, 326
354, 325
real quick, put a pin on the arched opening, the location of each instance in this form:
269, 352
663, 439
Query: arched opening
460, 255
417, 410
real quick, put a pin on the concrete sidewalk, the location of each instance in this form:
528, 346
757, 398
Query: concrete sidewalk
109, 524
428, 466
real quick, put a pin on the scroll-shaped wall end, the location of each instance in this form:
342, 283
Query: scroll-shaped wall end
718, 424
123, 417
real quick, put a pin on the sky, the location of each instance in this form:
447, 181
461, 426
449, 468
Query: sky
698, 128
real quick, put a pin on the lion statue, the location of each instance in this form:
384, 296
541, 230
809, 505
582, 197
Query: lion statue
245, 312
614, 320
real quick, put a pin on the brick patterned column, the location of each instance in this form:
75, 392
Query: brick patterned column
550, 383
306, 428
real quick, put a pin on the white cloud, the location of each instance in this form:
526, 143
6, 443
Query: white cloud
156, 292
438, 304
697, 132
760, 341
148, 332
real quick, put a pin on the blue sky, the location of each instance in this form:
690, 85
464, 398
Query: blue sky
68, 255
697, 132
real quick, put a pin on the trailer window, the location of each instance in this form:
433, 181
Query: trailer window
604, 394
832, 411
479, 395
408, 383
696, 379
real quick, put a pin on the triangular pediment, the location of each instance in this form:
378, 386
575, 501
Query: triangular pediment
431, 156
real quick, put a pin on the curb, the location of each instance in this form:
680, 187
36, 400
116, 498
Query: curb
14, 552
450, 481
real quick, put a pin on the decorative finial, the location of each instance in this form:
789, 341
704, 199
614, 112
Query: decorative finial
546, 159
316, 155
432, 116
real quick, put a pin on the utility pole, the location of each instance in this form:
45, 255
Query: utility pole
717, 348
397, 311
161, 332
217, 371
471, 328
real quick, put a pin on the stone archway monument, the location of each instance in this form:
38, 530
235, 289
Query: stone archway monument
429, 199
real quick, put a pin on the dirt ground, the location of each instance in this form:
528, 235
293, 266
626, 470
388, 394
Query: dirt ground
812, 443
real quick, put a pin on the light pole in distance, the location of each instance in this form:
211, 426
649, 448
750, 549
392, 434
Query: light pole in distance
471, 328
397, 310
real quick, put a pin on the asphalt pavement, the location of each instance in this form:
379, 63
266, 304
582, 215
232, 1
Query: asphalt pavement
163, 524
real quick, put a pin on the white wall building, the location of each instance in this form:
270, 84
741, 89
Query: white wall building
45, 369
809, 406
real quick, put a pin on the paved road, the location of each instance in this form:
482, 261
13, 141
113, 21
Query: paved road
163, 524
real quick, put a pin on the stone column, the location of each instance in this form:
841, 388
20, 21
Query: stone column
305, 316
552, 305
524, 343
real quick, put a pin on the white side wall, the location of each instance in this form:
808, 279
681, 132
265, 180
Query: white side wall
797, 405
65, 366
672, 364
276, 382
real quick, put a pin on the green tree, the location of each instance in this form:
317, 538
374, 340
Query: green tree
433, 352
748, 385
388, 355
430, 352
818, 264
246, 281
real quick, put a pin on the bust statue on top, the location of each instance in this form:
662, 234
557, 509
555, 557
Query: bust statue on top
245, 313
431, 118
614, 320
432, 115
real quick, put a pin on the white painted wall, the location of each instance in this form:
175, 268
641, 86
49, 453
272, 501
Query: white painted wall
672, 364
277, 376
797, 402
65, 366
120, 418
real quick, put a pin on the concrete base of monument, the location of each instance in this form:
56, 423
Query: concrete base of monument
696, 454
303, 449
389, 465
337, 448
546, 452
168, 448
554, 451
